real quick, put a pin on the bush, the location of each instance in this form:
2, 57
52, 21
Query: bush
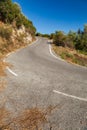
59, 39
10, 13
72, 40
81, 43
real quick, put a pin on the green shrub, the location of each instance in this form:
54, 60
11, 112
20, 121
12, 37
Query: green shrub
10, 13
59, 39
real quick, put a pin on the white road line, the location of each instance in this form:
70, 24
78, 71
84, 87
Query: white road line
50, 49
11, 72
70, 96
14, 52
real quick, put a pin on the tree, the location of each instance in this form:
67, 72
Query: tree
5, 9
79, 31
81, 40
85, 29
52, 35
70, 39
59, 38
38, 34
11, 13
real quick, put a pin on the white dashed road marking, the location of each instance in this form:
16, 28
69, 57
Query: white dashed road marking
13, 52
70, 96
11, 72
50, 49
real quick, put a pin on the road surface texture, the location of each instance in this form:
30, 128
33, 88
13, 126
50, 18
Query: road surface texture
41, 80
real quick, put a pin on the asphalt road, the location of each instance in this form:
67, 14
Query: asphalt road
42, 80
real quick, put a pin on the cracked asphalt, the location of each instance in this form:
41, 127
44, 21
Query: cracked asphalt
39, 73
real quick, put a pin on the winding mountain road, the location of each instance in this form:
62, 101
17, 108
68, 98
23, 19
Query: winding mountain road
38, 78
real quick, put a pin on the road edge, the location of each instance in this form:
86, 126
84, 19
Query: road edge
59, 58
11, 71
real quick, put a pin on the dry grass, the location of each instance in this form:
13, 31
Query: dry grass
71, 55
9, 41
2, 68
31, 119
4, 114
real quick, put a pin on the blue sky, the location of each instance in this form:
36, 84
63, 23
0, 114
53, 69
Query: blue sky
51, 15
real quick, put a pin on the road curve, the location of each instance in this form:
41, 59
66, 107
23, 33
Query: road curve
42, 80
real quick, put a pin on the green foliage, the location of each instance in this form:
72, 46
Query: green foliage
38, 34
43, 35
59, 38
6, 8
46, 35
85, 29
81, 40
11, 13
72, 39
52, 35
81, 43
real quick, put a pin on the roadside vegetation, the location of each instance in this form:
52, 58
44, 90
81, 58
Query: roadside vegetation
11, 13
16, 30
72, 46
30, 119
43, 35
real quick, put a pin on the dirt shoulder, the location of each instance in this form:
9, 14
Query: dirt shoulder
70, 55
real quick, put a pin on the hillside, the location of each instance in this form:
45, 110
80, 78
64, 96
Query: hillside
12, 38
16, 30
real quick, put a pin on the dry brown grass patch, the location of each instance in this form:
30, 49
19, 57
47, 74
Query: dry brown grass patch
2, 68
71, 55
32, 119
4, 114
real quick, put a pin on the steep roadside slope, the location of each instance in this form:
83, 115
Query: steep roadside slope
16, 30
